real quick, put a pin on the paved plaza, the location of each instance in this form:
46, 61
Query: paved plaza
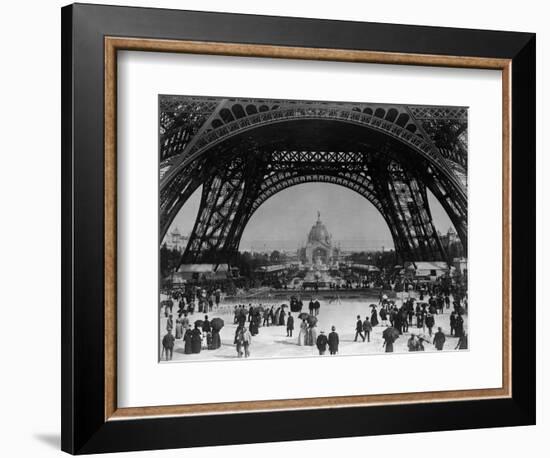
271, 342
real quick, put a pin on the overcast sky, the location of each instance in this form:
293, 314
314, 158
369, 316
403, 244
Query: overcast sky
284, 220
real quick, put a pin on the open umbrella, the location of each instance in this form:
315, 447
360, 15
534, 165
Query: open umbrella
199, 323
303, 316
372, 306
390, 334
217, 324
312, 320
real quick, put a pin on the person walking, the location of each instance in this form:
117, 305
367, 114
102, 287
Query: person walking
439, 339
282, 315
289, 325
247, 341
359, 329
168, 345
333, 341
459, 325
384, 316
322, 343
302, 336
188, 338
316, 307
239, 340
185, 322
311, 335
374, 317
413, 344
462, 342
179, 328
170, 323
367, 328
266, 317
206, 328
452, 322
389, 339
196, 340
430, 322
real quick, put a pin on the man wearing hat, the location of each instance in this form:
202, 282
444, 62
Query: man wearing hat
359, 329
168, 345
439, 339
322, 343
333, 341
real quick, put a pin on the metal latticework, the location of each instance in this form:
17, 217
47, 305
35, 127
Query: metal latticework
244, 151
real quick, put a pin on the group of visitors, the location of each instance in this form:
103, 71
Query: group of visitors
394, 318
201, 335
191, 299
332, 342
363, 327
314, 307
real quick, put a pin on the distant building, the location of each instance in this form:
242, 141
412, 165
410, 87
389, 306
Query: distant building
319, 248
450, 238
272, 272
175, 240
426, 270
200, 273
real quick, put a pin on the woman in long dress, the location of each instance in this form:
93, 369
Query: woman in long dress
374, 317
303, 333
179, 329
216, 341
196, 340
312, 336
282, 317
188, 337
276, 317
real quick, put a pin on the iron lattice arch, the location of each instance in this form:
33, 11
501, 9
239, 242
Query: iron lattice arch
243, 151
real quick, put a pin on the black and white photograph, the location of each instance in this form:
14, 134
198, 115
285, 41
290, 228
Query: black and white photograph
301, 228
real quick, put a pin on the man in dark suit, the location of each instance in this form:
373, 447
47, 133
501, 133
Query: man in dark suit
168, 345
439, 339
359, 329
333, 341
289, 325
206, 324
367, 327
322, 342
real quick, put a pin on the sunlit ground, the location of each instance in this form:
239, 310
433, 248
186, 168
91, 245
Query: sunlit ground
271, 342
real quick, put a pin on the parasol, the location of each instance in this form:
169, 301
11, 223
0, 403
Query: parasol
372, 306
390, 333
303, 316
199, 323
312, 320
217, 324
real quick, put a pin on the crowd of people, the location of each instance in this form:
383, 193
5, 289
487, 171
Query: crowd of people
420, 314
203, 334
415, 316
191, 299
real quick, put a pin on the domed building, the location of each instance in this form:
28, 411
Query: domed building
319, 248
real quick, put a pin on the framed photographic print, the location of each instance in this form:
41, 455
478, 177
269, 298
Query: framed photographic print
284, 228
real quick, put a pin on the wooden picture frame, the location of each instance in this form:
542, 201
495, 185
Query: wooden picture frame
91, 37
